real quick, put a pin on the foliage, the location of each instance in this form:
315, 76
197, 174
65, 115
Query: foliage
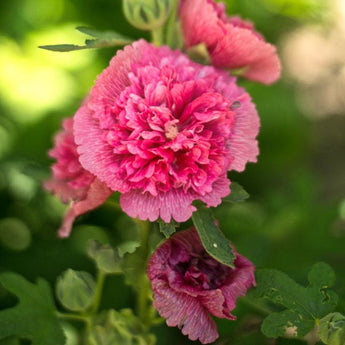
34, 316
304, 305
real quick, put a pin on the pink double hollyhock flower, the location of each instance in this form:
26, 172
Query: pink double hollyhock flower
163, 131
189, 285
231, 42
71, 182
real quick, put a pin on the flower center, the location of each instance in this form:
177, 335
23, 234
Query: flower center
202, 272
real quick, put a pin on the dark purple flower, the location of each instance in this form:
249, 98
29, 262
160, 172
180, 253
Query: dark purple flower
189, 285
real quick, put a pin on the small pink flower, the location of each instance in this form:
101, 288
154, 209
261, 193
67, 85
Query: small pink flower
163, 131
231, 42
71, 182
189, 285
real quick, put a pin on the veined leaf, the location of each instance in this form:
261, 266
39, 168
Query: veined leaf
213, 240
34, 316
304, 305
102, 39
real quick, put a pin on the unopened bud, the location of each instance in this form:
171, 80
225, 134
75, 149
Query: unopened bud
147, 14
75, 290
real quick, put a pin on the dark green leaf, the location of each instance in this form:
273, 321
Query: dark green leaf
304, 305
321, 275
213, 240
167, 229
34, 316
238, 193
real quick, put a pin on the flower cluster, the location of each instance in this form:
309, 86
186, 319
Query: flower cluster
163, 131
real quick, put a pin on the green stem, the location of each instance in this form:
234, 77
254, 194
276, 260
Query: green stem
170, 25
98, 293
157, 36
76, 317
143, 281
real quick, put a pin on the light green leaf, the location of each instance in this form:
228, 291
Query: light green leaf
332, 329
119, 328
213, 240
62, 47
75, 290
103, 39
107, 258
104, 35
304, 305
167, 229
34, 316
238, 193
132, 267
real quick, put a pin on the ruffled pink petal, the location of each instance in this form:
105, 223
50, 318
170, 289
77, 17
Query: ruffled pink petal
220, 189
95, 155
243, 144
172, 204
96, 196
241, 48
232, 42
185, 312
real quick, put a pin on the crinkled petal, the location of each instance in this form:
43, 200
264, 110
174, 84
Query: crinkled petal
172, 204
241, 280
96, 196
220, 189
243, 144
95, 154
185, 312
240, 47
231, 42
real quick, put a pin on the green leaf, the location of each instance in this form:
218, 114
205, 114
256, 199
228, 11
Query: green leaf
332, 329
103, 39
304, 305
119, 328
62, 47
75, 290
238, 193
34, 316
167, 229
107, 258
321, 275
105, 35
213, 240
132, 267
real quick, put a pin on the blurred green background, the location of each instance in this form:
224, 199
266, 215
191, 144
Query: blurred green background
296, 213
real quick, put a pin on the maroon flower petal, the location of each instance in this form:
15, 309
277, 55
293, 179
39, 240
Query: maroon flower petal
185, 312
189, 285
